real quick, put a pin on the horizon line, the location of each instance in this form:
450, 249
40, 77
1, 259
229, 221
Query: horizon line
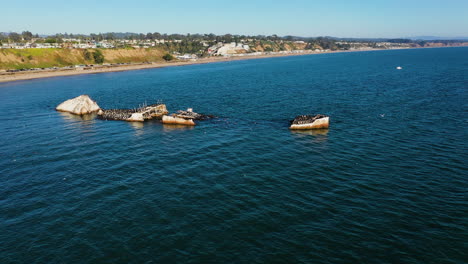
425, 37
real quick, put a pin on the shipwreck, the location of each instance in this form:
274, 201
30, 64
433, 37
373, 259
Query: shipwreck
134, 115
182, 117
83, 105
310, 122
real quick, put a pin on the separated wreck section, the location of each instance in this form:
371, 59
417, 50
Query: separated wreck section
182, 117
189, 114
310, 122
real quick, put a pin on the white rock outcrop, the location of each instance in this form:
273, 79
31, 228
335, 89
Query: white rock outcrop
80, 105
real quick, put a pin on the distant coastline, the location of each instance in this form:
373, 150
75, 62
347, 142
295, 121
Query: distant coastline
18, 76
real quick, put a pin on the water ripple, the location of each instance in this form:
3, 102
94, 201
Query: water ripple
386, 183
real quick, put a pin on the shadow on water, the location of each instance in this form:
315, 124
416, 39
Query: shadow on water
169, 128
319, 135
72, 117
137, 126
85, 123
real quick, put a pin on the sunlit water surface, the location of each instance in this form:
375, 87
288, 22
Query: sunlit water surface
387, 183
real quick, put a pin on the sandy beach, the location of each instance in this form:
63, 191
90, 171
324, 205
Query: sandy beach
28, 75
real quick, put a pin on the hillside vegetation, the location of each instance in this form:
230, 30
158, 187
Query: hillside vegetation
59, 57
27, 50
265, 45
45, 58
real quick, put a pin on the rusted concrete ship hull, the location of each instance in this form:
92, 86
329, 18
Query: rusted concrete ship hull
83, 104
134, 115
177, 121
320, 123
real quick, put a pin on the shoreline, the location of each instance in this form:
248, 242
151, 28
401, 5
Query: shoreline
15, 76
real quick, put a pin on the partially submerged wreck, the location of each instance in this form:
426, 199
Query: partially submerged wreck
174, 120
310, 122
182, 117
83, 105
134, 115
192, 115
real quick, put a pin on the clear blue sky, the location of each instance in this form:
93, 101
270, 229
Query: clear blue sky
340, 18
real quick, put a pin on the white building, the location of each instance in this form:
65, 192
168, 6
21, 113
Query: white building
228, 49
187, 57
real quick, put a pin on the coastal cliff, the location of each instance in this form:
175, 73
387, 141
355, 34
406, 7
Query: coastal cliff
46, 58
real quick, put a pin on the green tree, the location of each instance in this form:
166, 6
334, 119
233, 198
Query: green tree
50, 40
212, 37
227, 38
168, 57
87, 55
110, 36
27, 35
98, 56
15, 37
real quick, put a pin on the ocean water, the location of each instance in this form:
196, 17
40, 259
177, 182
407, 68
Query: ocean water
387, 183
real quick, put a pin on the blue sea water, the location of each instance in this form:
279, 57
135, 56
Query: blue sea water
387, 183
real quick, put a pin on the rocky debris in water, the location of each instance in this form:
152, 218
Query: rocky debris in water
189, 114
138, 114
310, 122
80, 105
